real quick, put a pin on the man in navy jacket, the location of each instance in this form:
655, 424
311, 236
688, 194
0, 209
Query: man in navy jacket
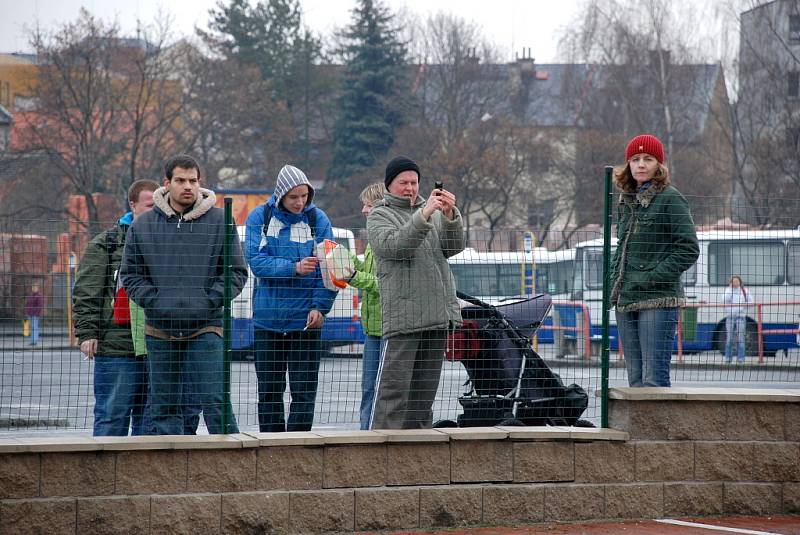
173, 269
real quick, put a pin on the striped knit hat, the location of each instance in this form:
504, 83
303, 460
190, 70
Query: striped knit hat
291, 177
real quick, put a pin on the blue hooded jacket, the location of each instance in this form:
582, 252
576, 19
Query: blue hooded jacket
282, 299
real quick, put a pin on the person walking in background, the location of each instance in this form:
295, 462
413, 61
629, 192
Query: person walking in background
34, 307
737, 297
656, 244
104, 330
412, 238
365, 279
289, 301
173, 268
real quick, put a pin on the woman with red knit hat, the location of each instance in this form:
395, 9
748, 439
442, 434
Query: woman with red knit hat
656, 244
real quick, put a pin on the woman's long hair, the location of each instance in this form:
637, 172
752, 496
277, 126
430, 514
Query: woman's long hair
741, 285
624, 180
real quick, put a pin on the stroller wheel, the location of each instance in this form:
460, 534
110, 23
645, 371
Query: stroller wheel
583, 423
444, 424
511, 422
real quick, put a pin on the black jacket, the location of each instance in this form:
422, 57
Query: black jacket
173, 265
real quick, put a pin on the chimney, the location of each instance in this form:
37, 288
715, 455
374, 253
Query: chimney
526, 64
472, 57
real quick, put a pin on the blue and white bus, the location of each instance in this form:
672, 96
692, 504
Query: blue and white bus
342, 325
767, 260
496, 276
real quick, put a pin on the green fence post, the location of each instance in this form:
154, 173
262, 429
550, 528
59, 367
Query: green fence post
604, 357
227, 249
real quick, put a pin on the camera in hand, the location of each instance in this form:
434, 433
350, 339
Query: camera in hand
438, 185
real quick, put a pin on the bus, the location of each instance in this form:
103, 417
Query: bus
497, 276
767, 260
342, 325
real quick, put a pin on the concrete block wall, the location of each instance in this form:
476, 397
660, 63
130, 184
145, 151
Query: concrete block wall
371, 481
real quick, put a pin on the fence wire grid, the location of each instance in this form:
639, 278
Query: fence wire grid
520, 343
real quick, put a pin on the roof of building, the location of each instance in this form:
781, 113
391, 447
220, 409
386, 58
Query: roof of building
607, 97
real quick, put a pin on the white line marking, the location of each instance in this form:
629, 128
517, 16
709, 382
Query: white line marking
715, 528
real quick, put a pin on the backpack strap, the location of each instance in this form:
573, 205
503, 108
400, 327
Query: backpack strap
112, 244
312, 221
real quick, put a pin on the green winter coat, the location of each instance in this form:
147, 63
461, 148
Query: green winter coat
365, 279
93, 294
418, 290
656, 244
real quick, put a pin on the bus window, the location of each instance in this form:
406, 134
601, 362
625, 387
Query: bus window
759, 263
488, 280
689, 277
793, 271
555, 278
594, 269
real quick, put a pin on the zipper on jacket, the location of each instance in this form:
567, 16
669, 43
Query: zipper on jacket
180, 219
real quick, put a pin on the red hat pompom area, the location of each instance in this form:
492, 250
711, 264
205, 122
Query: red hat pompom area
645, 143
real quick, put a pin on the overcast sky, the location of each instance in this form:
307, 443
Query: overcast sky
511, 24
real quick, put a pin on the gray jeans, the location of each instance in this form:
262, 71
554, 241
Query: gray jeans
408, 378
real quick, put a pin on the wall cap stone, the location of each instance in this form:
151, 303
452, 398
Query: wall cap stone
413, 435
474, 433
71, 443
352, 437
291, 438
703, 394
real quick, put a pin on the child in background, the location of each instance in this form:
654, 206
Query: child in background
365, 279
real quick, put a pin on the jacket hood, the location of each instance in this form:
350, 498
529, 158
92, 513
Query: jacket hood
205, 201
290, 177
126, 220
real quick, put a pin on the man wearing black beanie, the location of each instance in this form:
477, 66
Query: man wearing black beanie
397, 166
412, 238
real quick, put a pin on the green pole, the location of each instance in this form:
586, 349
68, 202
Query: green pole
604, 357
227, 249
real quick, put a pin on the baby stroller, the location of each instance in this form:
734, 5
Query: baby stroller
509, 383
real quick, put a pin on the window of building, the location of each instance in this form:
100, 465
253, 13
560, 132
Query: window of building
793, 138
794, 28
794, 84
540, 214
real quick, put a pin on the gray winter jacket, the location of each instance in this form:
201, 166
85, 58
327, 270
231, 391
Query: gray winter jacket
417, 288
173, 265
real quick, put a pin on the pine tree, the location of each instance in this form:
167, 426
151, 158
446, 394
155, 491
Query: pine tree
373, 91
270, 35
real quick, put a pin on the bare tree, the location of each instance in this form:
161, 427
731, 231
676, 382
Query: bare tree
240, 132
106, 109
644, 74
766, 115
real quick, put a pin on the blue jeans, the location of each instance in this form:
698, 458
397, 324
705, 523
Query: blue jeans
738, 325
199, 362
298, 353
33, 321
370, 362
647, 338
120, 396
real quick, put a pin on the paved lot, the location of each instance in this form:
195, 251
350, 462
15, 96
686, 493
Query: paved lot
50, 387
784, 525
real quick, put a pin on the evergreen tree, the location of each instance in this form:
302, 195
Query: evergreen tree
373, 92
271, 37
